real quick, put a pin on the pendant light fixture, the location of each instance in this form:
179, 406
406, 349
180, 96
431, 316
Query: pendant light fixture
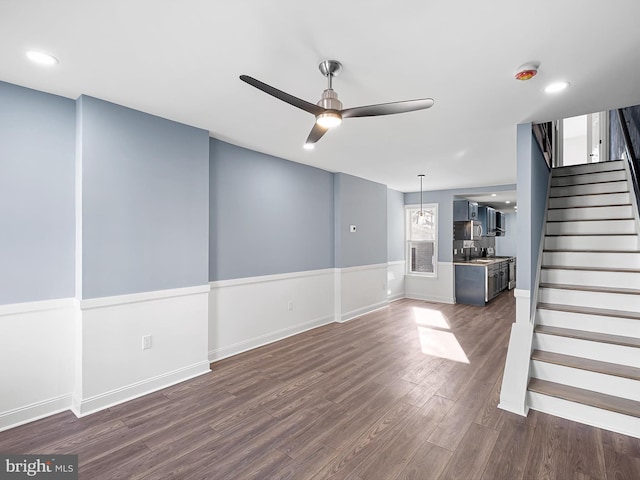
421, 216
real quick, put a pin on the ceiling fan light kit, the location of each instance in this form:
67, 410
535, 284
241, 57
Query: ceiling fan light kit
329, 111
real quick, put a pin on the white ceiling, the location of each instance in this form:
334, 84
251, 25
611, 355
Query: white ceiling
181, 60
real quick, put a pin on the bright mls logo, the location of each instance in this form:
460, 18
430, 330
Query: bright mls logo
50, 467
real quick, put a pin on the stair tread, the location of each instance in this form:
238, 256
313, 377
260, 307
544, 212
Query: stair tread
608, 205
585, 397
604, 312
591, 234
581, 363
563, 250
591, 269
589, 288
589, 336
591, 220
613, 164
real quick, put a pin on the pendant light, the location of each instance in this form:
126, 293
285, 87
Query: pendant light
421, 216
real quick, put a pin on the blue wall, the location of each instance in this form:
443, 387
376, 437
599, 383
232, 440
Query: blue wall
361, 203
37, 217
533, 180
395, 226
506, 246
268, 215
444, 199
145, 184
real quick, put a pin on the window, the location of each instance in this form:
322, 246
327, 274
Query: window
422, 240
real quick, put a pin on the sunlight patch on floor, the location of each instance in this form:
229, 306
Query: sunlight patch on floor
434, 339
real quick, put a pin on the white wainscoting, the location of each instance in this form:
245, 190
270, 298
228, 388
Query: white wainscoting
395, 280
439, 289
114, 367
36, 353
362, 289
250, 312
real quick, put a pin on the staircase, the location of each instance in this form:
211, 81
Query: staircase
585, 364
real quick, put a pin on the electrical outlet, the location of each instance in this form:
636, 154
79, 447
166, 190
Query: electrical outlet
146, 342
290, 305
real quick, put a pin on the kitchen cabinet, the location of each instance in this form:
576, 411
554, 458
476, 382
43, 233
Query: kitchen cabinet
501, 227
487, 217
465, 210
478, 282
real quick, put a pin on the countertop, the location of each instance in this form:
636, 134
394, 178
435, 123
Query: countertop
483, 262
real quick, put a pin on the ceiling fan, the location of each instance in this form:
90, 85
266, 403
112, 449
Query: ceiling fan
328, 111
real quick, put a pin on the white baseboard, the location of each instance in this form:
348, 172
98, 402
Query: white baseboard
262, 340
251, 312
35, 411
430, 298
36, 335
86, 406
517, 409
361, 311
438, 289
397, 296
93, 352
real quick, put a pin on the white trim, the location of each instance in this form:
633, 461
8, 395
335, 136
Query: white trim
35, 411
114, 397
345, 317
435, 241
39, 306
361, 268
521, 293
218, 354
269, 278
398, 296
142, 297
431, 298
396, 262
517, 409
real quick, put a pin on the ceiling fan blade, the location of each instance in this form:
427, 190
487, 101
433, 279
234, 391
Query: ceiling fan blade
285, 97
316, 134
387, 108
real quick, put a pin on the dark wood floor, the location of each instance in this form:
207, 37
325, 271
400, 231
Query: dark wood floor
358, 401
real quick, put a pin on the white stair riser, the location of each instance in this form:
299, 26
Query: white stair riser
588, 168
590, 200
604, 352
586, 414
594, 227
595, 242
588, 380
591, 278
614, 176
591, 323
611, 301
590, 213
592, 259
592, 189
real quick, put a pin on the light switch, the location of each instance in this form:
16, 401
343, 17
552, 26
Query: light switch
352, 228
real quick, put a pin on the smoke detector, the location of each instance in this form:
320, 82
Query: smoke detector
526, 71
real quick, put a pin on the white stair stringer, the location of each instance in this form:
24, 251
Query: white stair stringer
586, 360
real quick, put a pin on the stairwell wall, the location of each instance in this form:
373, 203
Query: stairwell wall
533, 176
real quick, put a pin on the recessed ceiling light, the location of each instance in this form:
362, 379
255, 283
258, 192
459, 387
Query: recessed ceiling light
556, 87
508, 201
494, 194
41, 58
309, 146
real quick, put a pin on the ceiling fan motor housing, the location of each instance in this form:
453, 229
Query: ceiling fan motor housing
330, 100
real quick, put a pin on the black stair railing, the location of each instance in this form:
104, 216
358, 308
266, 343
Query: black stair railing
631, 155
